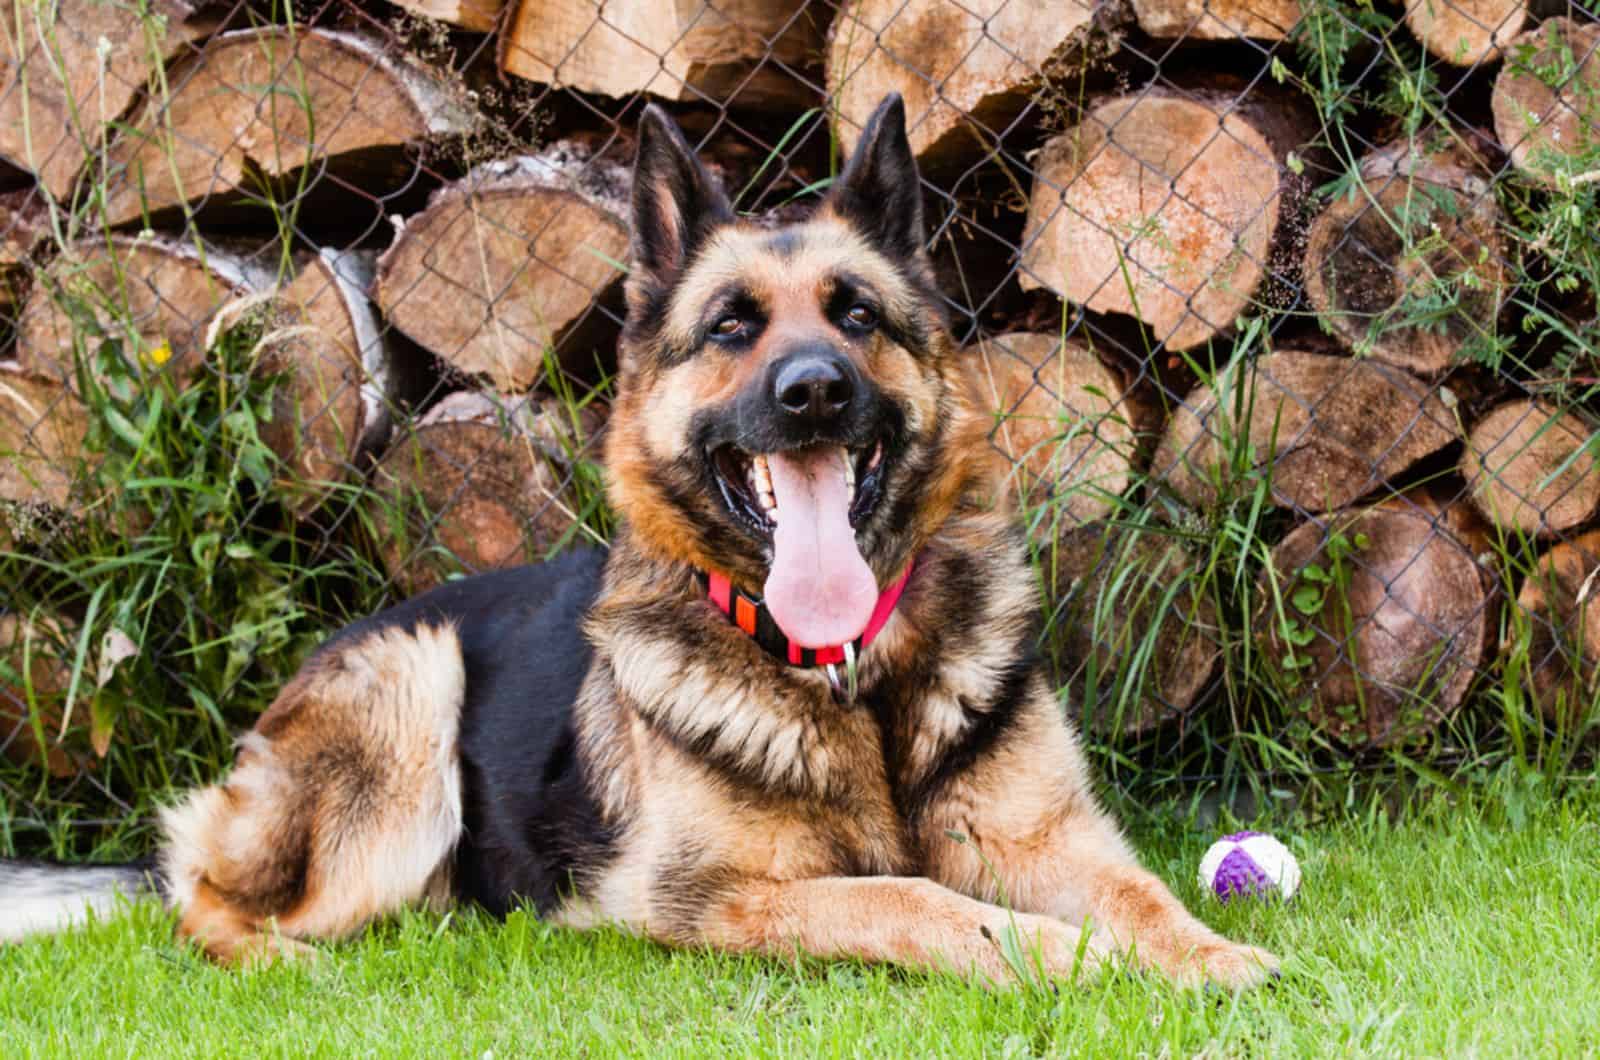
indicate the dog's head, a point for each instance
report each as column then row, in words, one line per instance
column 788, row 410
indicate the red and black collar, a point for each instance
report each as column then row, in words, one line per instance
column 750, row 614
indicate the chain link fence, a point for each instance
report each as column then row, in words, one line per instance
column 1285, row 312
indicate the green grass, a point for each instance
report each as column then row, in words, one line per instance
column 1466, row 929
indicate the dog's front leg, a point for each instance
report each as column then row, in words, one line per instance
column 908, row 921
column 1022, row 824
column 1089, row 875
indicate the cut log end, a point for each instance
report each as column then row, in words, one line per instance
column 475, row 16
column 481, row 482
column 959, row 82
column 1328, row 430
column 1162, row 207
column 733, row 51
column 42, row 432
column 160, row 297
column 1466, row 32
column 1126, row 613
column 261, row 105
column 34, row 677
column 1546, row 98
column 1063, row 431
column 1560, row 602
column 1268, row 20
column 51, row 124
column 1532, row 468
column 1378, row 262
column 518, row 260
column 155, row 295
column 1382, row 626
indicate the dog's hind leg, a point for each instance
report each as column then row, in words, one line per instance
column 344, row 803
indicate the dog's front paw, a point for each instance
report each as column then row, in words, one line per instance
column 1228, row 965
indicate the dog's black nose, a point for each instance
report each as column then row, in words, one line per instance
column 814, row 386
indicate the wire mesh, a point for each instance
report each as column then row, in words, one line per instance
column 1284, row 312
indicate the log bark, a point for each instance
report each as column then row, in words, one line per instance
column 156, row 295
column 1131, row 631
column 34, row 677
column 1560, row 601
column 1169, row 208
column 480, row 482
column 731, row 51
column 1466, row 32
column 965, row 69
column 519, row 259
column 42, row 430
column 60, row 92
column 1374, row 623
column 332, row 414
column 1411, row 267
column 1532, row 468
column 1063, row 431
column 1217, row 19
column 258, row 107
column 1328, row 430
column 1546, row 98
column 476, row 16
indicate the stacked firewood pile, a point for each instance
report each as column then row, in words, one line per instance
column 1165, row 303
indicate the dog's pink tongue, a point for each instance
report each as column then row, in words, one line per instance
column 820, row 591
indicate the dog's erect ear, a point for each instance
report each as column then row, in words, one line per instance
column 675, row 201
column 879, row 191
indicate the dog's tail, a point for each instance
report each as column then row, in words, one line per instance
column 38, row 898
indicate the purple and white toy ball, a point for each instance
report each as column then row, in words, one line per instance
column 1250, row 864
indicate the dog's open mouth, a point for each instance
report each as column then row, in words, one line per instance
column 746, row 482
column 807, row 503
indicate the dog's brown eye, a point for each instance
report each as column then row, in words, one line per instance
column 728, row 327
column 861, row 316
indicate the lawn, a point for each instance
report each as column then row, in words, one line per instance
column 1467, row 928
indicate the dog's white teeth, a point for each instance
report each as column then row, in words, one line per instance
column 849, row 473
column 761, row 484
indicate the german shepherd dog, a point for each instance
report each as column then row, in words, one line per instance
column 797, row 705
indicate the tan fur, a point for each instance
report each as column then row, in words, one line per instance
column 811, row 851
column 741, row 254
column 902, row 920
column 1027, row 809
column 751, row 811
column 652, row 413
column 696, row 831
column 344, row 802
